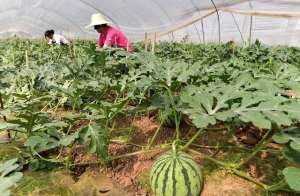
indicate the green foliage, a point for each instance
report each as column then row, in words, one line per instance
column 213, row 53
column 210, row 83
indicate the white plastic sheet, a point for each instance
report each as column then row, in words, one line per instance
column 30, row 18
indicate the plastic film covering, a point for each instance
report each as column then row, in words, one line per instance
column 271, row 21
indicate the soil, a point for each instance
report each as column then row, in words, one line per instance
column 223, row 184
column 130, row 176
column 127, row 171
column 133, row 173
column 4, row 137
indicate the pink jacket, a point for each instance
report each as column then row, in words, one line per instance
column 114, row 38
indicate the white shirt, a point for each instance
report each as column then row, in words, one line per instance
column 58, row 39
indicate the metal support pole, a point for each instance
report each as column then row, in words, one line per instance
column 219, row 24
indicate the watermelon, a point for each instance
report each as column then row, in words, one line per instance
column 176, row 174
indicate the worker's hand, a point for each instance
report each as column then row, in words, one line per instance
column 98, row 48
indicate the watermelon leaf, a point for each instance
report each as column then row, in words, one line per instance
column 8, row 176
column 97, row 138
column 223, row 102
column 290, row 136
column 292, row 155
column 292, row 177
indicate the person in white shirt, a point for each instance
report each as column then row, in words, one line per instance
column 54, row 38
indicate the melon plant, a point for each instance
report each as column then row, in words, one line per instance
column 176, row 174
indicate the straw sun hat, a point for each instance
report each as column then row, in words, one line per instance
column 97, row 19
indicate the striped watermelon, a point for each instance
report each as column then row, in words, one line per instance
column 176, row 174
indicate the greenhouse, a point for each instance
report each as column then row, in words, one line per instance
column 150, row 98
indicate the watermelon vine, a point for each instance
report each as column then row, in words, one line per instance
column 186, row 88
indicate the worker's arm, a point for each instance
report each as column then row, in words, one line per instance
column 106, row 42
column 110, row 41
column 63, row 40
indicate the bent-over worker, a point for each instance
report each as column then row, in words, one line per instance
column 54, row 38
column 109, row 36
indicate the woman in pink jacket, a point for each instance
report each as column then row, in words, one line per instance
column 109, row 36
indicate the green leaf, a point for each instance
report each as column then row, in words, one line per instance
column 292, row 155
column 202, row 121
column 256, row 118
column 293, row 110
column 8, row 176
column 97, row 138
column 224, row 116
column 38, row 164
column 168, row 72
column 189, row 71
column 54, row 124
column 161, row 101
column 69, row 139
column 279, row 117
column 34, row 165
column 295, row 145
column 8, row 126
column 83, row 135
column 207, row 101
column 281, row 138
column 41, row 143
column 291, row 135
column 99, row 141
column 8, row 167
column 292, row 177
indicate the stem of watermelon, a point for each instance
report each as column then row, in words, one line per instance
column 221, row 163
column 249, row 178
column 124, row 156
column 177, row 121
column 278, row 186
column 260, row 146
column 138, row 152
column 156, row 134
column 230, row 168
column 219, row 147
column 174, row 147
column 192, row 139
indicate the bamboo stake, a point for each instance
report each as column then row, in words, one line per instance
column 4, row 117
column 146, row 41
column 265, row 13
column 188, row 23
column 70, row 49
column 243, row 12
column 74, row 50
column 154, row 42
column 26, row 58
column 2, row 106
